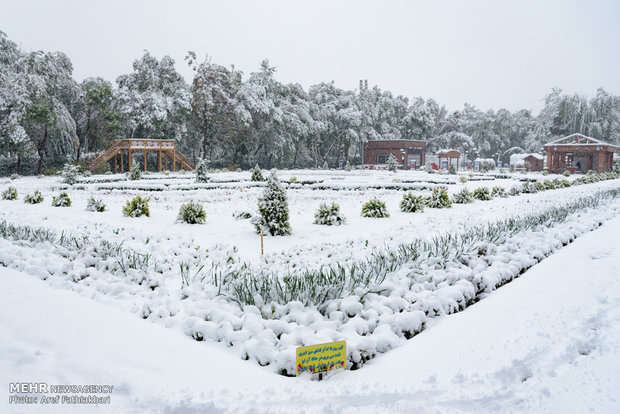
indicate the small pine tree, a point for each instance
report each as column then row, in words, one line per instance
column 70, row 174
column 412, row 203
column 202, row 170
column 375, row 208
column 392, row 164
column 136, row 172
column 34, row 198
column 348, row 166
column 329, row 215
column 192, row 213
column 325, row 165
column 257, row 174
column 137, row 207
column 273, row 209
column 95, row 204
column 10, row 194
column 482, row 193
column 514, row 191
column 62, row 200
column 451, row 170
column 498, row 191
column 462, row 197
column 439, row 198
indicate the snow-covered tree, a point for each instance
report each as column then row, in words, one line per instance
column 202, row 171
column 154, row 99
column 273, row 211
column 392, row 164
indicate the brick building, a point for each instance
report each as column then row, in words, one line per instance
column 409, row 153
column 579, row 154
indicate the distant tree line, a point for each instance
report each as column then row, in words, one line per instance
column 48, row 118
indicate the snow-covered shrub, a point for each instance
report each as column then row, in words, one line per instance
column 108, row 173
column 498, row 191
column 34, row 198
column 136, row 172
column 70, row 174
column 347, row 166
column 392, row 164
column 273, row 209
column 137, row 207
column 545, row 171
column 166, row 172
column 412, row 203
column 202, row 169
column 257, row 174
column 539, row 186
column 62, row 200
column 616, row 167
column 329, row 215
column 241, row 215
column 182, row 171
column 325, row 165
column 15, row 176
column 292, row 180
column 439, row 198
column 528, row 187
column 514, row 191
column 10, row 194
column 566, row 173
column 549, row 185
column 481, row 193
column 192, row 213
column 451, row 170
column 462, row 197
column 375, row 208
column 95, row 204
column 463, row 179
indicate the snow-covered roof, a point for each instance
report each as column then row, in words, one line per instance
column 518, row 158
column 578, row 139
column 445, row 151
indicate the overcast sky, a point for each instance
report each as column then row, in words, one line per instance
column 488, row 53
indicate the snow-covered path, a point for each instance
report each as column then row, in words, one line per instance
column 547, row 342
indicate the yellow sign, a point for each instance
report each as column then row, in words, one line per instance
column 321, row 357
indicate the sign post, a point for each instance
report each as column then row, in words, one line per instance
column 321, row 358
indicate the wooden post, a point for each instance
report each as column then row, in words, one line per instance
column 174, row 160
column 129, row 160
column 122, row 160
column 261, row 243
column 159, row 154
column 116, row 163
column 144, row 160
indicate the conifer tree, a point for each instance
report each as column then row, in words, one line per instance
column 273, row 209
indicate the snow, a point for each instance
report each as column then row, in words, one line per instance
column 546, row 342
column 518, row 159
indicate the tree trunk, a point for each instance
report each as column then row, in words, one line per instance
column 41, row 151
column 18, row 163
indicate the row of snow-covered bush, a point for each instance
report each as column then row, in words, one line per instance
column 331, row 281
column 375, row 304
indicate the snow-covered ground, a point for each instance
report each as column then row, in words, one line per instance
column 544, row 343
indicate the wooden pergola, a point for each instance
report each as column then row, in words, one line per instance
column 578, row 153
column 449, row 154
column 165, row 149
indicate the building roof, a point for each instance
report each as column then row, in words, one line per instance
column 516, row 159
column 446, row 151
column 578, row 139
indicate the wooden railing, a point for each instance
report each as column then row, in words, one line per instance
column 141, row 144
